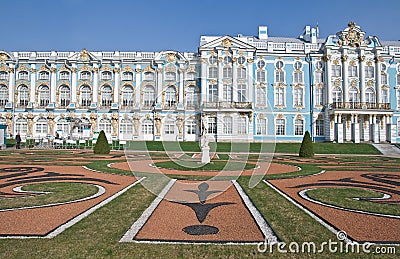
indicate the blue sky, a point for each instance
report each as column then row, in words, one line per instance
column 128, row 25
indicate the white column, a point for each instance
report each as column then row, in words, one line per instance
column 33, row 83
column 138, row 83
column 220, row 77
column 73, row 85
column 378, row 81
column 362, row 77
column 250, row 80
column 116, row 83
column 204, row 86
column 181, row 88
column 159, row 84
column 328, row 83
column 95, row 84
column 11, row 84
column 234, row 82
column 345, row 67
column 53, row 84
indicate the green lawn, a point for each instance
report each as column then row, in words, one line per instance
column 293, row 148
column 215, row 165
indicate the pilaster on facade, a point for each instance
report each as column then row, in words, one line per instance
column 95, row 84
column 362, row 76
column 53, row 84
column 32, row 84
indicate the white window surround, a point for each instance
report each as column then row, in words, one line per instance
column 279, row 96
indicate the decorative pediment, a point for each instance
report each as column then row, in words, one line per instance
column 85, row 68
column 148, row 69
column 351, row 36
column 191, row 69
column 170, row 69
column 22, row 68
column 63, row 68
column 106, row 67
column 226, row 42
column 84, row 56
column 128, row 69
column 5, row 68
column 43, row 68
column 4, row 57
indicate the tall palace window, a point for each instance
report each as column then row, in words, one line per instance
column 106, row 95
column 127, row 96
column 65, row 95
column 3, row 95
column 44, row 95
column 86, row 96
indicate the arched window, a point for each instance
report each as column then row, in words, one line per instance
column 337, row 94
column 242, row 126
column 191, row 76
column 106, row 95
column 384, row 79
column 41, row 126
column 170, row 76
column 64, row 75
column 298, row 97
column 212, row 72
column 191, row 126
column 227, row 125
column 280, row 127
column 126, row 127
column 298, row 77
column 3, row 75
column 148, row 96
column 353, row 95
column 86, row 96
column 369, row 72
column 23, row 75
column 3, row 95
column 227, row 92
column 298, row 127
column 44, row 75
column 261, row 126
column 318, row 78
column 385, row 96
column 241, row 73
column 352, row 71
column 21, row 126
column 212, row 93
column 369, row 95
column 279, row 96
column 44, row 95
column 170, row 97
column 169, row 127
column 192, row 100
column 260, row 76
column 147, row 127
column 319, row 96
column 127, row 76
column 106, row 75
column 261, row 96
column 148, row 76
column 336, row 70
column 85, row 75
column 227, row 72
column 105, row 124
column 279, row 73
column 63, row 128
column 23, row 95
column 65, row 95
column 242, row 93
column 127, row 96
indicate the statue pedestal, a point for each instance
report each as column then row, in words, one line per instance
column 205, row 155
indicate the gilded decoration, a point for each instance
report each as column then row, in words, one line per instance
column 136, row 123
column 85, row 67
column 191, row 69
column 128, row 69
column 298, row 86
column 299, row 117
column 337, row 83
column 345, row 58
column 43, row 68
column 114, row 124
column 250, row 60
column 63, row 68
column 9, row 117
column 336, row 62
column 73, row 70
column 362, row 58
column 148, row 69
column 370, row 83
column 379, row 59
column 220, row 60
column 226, row 43
column 261, row 116
column 353, row 62
column 327, row 58
column 22, row 68
column 5, row 68
column 203, row 60
column 213, row 81
column 280, row 116
column 3, row 57
column 171, row 58
column 84, row 55
column 106, row 67
column 369, row 63
column 116, row 70
column 138, row 70
column 158, row 123
column 351, row 36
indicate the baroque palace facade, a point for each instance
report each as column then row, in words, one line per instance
column 342, row 88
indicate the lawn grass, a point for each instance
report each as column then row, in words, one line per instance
column 343, row 197
column 58, row 192
column 254, row 147
column 215, row 165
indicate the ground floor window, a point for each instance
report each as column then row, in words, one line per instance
column 319, row 128
column 280, row 127
column 261, row 126
column 190, row 127
column 147, row 127
column 299, row 127
column 169, row 127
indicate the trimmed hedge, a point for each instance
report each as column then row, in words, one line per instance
column 101, row 146
column 306, row 148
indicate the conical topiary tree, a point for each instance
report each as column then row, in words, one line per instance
column 306, row 148
column 101, row 146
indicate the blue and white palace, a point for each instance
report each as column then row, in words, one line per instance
column 345, row 88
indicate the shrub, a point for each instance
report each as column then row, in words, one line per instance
column 101, row 146
column 306, row 148
column 10, row 142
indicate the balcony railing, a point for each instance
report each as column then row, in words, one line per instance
column 360, row 106
column 228, row 105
